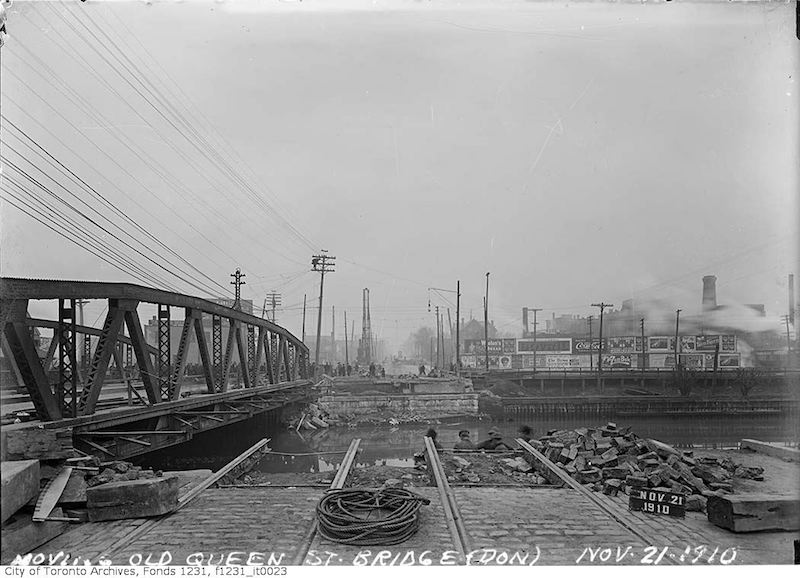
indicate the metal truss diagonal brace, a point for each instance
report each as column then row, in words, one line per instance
column 102, row 356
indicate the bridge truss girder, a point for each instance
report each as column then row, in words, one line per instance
column 266, row 349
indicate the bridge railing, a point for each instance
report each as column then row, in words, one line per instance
column 266, row 352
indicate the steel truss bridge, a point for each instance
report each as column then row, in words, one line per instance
column 273, row 364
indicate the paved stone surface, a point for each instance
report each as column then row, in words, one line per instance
column 512, row 526
column 266, row 522
column 551, row 526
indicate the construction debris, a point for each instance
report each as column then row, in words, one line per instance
column 613, row 460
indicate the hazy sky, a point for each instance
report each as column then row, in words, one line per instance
column 578, row 151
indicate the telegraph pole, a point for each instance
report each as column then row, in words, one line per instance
column 641, row 323
column 458, row 328
column 304, row 318
column 237, row 283
column 602, row 307
column 274, row 300
column 591, row 359
column 322, row 264
column 437, row 336
column 486, row 324
column 450, row 325
column 535, row 323
column 346, row 354
column 788, row 342
column 677, row 325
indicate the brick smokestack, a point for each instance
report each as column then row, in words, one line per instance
column 709, row 292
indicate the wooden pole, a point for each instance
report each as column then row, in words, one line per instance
column 304, row 318
column 346, row 354
column 458, row 327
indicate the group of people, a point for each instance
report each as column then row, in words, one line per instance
column 343, row 370
column 493, row 442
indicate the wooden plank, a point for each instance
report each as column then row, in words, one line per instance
column 208, row 482
column 48, row 499
column 754, row 512
column 23, row 535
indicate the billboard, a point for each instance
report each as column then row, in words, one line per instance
column 581, row 345
column 623, row 344
column 707, row 342
column 469, row 361
column 728, row 343
column 692, row 360
column 561, row 361
column 729, row 360
column 688, row 343
column 476, row 346
column 616, row 361
column 661, row 344
column 545, row 345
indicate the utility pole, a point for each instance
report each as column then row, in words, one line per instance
column 458, row 328
column 486, row 324
column 450, row 325
column 274, row 300
column 322, row 263
column 437, row 336
column 677, row 344
column 788, row 342
column 602, row 307
column 346, row 354
column 304, row 318
column 237, row 283
column 591, row 359
column 644, row 362
column 535, row 323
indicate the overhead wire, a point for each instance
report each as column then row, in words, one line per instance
column 50, row 221
column 227, row 146
column 82, row 214
column 52, row 78
column 51, row 160
column 150, row 162
column 152, row 258
column 197, row 142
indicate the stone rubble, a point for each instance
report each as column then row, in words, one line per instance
column 614, row 460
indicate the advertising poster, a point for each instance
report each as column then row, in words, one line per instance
column 661, row 361
column 706, row 342
column 527, row 361
column 469, row 361
column 616, row 361
column 688, row 343
column 509, row 346
column 729, row 360
column 582, row 345
column 708, row 360
column 504, row 361
column 692, row 361
column 728, row 343
column 560, row 362
column 661, row 344
column 621, row 344
column 545, row 345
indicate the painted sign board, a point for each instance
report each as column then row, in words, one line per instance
column 657, row 502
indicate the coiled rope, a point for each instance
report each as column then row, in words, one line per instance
column 344, row 516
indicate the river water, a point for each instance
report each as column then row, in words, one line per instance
column 384, row 444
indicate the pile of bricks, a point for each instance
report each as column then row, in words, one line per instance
column 612, row 460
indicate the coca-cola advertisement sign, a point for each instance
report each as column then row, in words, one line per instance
column 583, row 345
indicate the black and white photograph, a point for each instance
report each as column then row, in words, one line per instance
column 305, row 286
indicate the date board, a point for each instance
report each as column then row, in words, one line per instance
column 657, row 502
